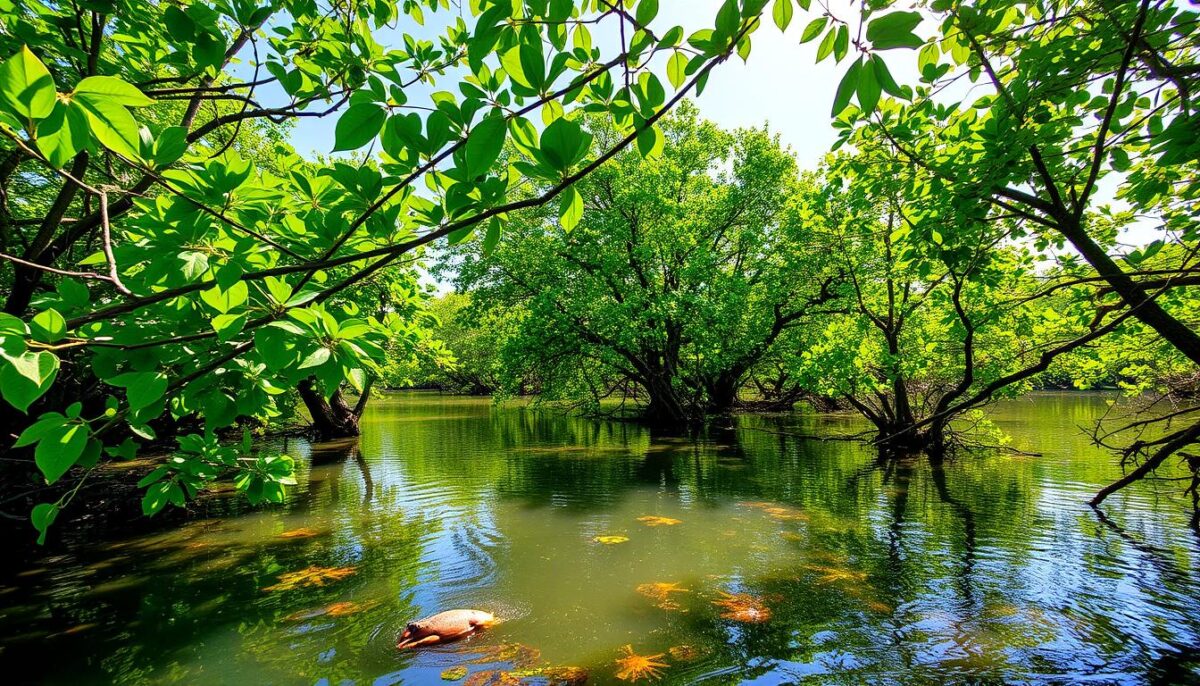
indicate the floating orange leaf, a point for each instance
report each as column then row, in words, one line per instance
column 610, row 540
column 633, row 667
column 492, row 677
column 651, row 520
column 300, row 533
column 660, row 591
column 516, row 654
column 310, row 576
column 743, row 607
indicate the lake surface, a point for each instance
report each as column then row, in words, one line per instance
column 748, row 556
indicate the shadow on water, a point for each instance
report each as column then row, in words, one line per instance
column 743, row 554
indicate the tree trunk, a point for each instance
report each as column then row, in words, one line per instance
column 722, row 393
column 332, row 418
column 665, row 408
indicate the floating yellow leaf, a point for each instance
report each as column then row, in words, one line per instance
column 651, row 520
column 743, row 607
column 300, row 533
column 610, row 540
column 310, row 576
column 633, row 667
column 516, row 654
column 831, row 575
column 454, row 673
column 660, row 591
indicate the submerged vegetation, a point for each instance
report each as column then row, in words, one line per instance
column 178, row 278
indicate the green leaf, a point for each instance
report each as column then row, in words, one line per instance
column 647, row 10
column 561, row 142
column 846, row 88
column 59, row 450
column 814, row 29
column 42, row 516
column 884, row 77
column 677, row 68
column 782, row 13
column 225, row 299
column 533, row 64
column 868, row 89
column 48, row 326
column 729, row 18
column 63, row 134
column 317, row 358
column 650, row 142
column 484, row 145
column 141, row 388
column 195, row 264
column 571, row 209
column 826, row 46
column 26, row 86
column 492, row 238
column 358, row 125
column 894, row 30
column 170, row 145
column 156, row 498
column 511, row 62
column 36, row 431
column 26, row 377
column 112, row 89
column 112, row 125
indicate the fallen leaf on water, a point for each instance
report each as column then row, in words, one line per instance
column 300, row 533
column 831, row 575
column 340, row 609
column 516, row 654
column 743, row 607
column 310, row 576
column 660, row 591
column 492, row 677
column 610, row 540
column 651, row 520
column 785, row 514
column 633, row 666
column 454, row 673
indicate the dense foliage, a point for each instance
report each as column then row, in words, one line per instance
column 174, row 268
column 174, row 271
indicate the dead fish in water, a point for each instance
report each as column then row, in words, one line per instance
column 445, row 626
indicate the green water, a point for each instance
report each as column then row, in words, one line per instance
column 989, row 569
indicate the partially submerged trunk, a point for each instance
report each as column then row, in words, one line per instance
column 333, row 417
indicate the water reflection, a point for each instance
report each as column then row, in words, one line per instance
column 749, row 554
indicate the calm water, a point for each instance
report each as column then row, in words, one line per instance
column 791, row 561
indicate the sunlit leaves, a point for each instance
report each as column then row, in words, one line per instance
column 484, row 145
column 846, row 88
column 894, row 30
column 813, row 29
column 26, row 86
column 564, row 144
column 571, row 209
column 677, row 68
column 110, row 89
column 781, row 13
column 62, row 134
column 358, row 125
